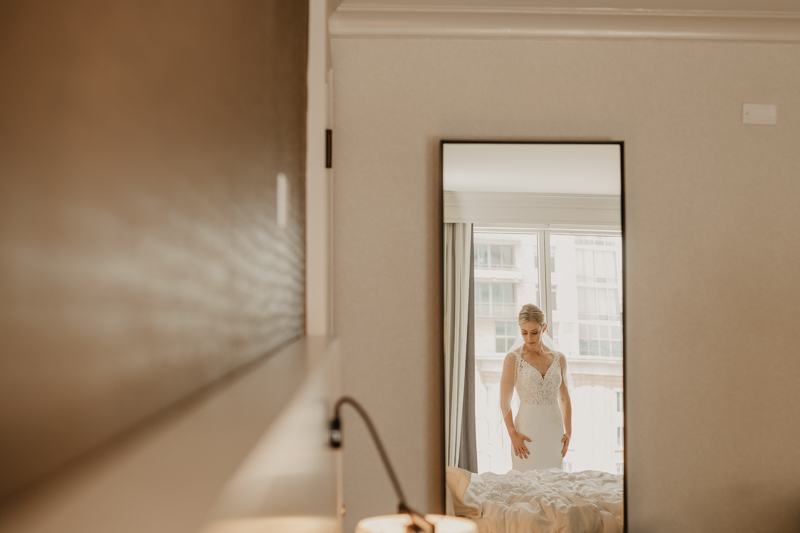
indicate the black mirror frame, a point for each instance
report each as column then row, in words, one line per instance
column 621, row 145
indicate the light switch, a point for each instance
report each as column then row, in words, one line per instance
column 283, row 200
column 761, row 114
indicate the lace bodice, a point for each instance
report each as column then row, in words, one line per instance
column 532, row 387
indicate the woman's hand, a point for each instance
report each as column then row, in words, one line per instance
column 565, row 440
column 518, row 442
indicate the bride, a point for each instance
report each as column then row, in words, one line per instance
column 540, row 434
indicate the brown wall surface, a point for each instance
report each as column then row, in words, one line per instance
column 711, row 244
column 140, row 257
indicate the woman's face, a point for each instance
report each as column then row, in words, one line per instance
column 532, row 333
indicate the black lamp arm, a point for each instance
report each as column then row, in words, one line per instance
column 419, row 522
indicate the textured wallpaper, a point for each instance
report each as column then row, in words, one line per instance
column 140, row 257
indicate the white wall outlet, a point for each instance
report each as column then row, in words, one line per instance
column 283, row 200
column 761, row 114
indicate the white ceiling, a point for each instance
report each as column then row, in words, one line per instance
column 532, row 168
column 711, row 5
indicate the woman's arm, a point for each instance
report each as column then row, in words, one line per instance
column 565, row 404
column 507, row 379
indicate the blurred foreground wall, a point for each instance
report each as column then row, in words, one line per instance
column 140, row 257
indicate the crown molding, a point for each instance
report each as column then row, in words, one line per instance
column 431, row 22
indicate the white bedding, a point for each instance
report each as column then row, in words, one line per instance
column 538, row 501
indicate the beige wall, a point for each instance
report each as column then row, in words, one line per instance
column 712, row 251
column 140, row 257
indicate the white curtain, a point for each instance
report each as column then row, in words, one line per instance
column 457, row 270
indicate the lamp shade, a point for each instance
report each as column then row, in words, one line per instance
column 398, row 523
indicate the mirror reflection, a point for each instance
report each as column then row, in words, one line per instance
column 533, row 355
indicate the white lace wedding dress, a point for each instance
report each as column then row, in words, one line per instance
column 539, row 417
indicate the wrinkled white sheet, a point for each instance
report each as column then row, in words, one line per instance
column 540, row 501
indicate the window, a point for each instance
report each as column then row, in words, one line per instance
column 567, row 466
column 481, row 256
column 553, row 291
column 593, row 240
column 598, row 303
column 600, row 339
column 494, row 256
column 620, row 437
column 619, row 401
column 596, row 266
column 505, row 333
column 620, row 468
column 495, row 299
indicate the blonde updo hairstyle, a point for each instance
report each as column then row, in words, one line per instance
column 531, row 313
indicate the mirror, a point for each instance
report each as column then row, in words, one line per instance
column 539, row 223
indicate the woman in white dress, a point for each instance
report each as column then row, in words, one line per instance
column 540, row 433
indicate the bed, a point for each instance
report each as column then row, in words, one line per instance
column 538, row 501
